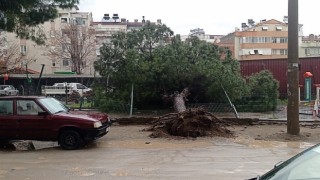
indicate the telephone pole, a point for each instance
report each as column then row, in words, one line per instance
column 293, row 126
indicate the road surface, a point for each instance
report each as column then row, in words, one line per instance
column 124, row 155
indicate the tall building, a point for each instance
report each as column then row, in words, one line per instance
column 69, row 37
column 263, row 40
column 31, row 56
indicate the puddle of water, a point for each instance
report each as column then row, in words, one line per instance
column 139, row 144
column 273, row 144
column 81, row 172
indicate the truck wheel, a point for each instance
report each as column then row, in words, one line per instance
column 70, row 139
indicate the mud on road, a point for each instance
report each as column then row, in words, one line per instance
column 127, row 152
column 136, row 136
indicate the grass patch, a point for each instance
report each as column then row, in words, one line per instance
column 86, row 105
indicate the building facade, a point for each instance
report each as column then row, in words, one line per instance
column 310, row 46
column 110, row 25
column 200, row 33
column 59, row 49
column 263, row 40
column 32, row 56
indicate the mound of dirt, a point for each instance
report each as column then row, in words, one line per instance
column 190, row 123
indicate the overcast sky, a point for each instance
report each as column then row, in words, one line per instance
column 216, row 17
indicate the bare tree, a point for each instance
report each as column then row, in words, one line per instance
column 11, row 55
column 75, row 43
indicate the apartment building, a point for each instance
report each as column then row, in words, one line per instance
column 110, row 25
column 16, row 54
column 310, row 46
column 263, row 40
column 31, row 56
column 70, row 21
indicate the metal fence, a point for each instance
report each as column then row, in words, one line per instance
column 222, row 110
column 280, row 113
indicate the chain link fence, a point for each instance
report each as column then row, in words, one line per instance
column 223, row 110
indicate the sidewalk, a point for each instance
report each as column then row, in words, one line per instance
column 279, row 115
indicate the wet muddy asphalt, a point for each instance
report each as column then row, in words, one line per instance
column 128, row 153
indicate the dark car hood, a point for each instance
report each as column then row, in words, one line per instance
column 91, row 116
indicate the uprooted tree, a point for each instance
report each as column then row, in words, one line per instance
column 178, row 99
column 190, row 123
column 158, row 63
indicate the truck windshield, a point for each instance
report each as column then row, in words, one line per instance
column 53, row 105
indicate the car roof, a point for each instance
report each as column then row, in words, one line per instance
column 22, row 97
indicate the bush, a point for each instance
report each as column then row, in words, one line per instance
column 264, row 92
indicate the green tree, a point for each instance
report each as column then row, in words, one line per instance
column 264, row 91
column 129, row 59
column 158, row 63
column 24, row 16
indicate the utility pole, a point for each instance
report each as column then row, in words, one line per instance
column 293, row 126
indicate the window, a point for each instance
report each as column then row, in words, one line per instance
column 65, row 62
column 53, row 63
column 283, row 51
column 274, row 40
column 313, row 51
column 283, row 40
column 64, row 20
column 278, row 28
column 78, row 21
column 23, row 49
column 80, row 86
column 28, row 107
column 6, row 107
column 265, row 28
column 307, row 51
column 274, row 51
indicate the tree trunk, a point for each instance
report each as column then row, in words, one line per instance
column 179, row 100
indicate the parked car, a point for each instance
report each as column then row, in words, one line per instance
column 47, row 119
column 303, row 166
column 6, row 90
column 61, row 89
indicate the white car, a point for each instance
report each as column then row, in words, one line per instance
column 7, row 90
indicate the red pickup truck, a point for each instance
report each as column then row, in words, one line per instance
column 47, row 119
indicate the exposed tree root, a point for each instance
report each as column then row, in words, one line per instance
column 190, row 123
